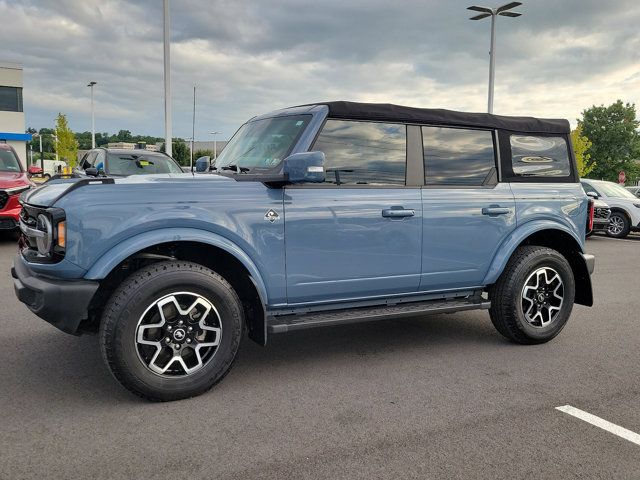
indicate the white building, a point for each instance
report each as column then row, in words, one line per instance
column 11, row 112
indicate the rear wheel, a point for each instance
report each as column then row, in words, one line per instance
column 171, row 330
column 619, row 225
column 533, row 298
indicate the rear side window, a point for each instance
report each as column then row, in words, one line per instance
column 534, row 156
column 457, row 156
column 363, row 153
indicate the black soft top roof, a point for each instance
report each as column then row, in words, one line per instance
column 396, row 113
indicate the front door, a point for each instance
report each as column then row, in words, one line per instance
column 359, row 234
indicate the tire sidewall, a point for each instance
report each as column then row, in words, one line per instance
column 146, row 293
column 562, row 267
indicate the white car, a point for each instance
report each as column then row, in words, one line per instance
column 625, row 207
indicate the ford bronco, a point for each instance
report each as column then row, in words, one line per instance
column 315, row 215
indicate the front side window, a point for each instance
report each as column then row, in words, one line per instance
column 262, row 143
column 8, row 161
column 139, row 164
column 458, row 156
column 533, row 156
column 11, row 99
column 614, row 190
column 363, row 153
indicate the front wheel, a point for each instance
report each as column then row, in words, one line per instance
column 619, row 225
column 533, row 298
column 171, row 330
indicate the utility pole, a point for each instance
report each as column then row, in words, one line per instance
column 193, row 126
column 215, row 145
column 493, row 13
column 93, row 120
column 167, row 79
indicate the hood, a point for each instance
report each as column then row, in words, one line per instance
column 143, row 187
column 13, row 179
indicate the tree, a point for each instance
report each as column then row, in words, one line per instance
column 66, row 144
column 581, row 145
column 202, row 153
column 180, row 151
column 615, row 142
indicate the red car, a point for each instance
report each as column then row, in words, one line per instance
column 13, row 181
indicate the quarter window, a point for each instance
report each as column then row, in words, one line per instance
column 533, row 156
column 457, row 156
column 363, row 153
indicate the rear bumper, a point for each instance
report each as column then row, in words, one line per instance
column 590, row 261
column 62, row 303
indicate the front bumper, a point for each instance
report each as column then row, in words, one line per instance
column 62, row 303
column 600, row 225
column 8, row 223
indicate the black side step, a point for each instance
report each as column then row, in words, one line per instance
column 287, row 323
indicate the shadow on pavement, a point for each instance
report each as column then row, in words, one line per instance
column 48, row 365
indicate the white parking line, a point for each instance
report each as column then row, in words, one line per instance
column 601, row 423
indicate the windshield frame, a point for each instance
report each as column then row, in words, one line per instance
column 11, row 151
column 308, row 117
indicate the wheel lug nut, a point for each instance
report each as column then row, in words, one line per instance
column 180, row 322
column 188, row 340
column 169, row 328
column 189, row 329
column 177, row 346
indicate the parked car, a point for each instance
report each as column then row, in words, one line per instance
column 625, row 207
column 601, row 214
column 51, row 168
column 317, row 215
column 13, row 181
column 121, row 162
column 635, row 190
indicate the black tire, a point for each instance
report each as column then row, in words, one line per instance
column 623, row 220
column 136, row 296
column 507, row 313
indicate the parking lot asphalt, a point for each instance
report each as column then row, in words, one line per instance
column 435, row 397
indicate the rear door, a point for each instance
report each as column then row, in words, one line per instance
column 466, row 212
column 359, row 234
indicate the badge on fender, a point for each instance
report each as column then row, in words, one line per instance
column 271, row 215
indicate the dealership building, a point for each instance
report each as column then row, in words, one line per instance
column 12, row 126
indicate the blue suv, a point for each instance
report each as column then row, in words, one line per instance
column 316, row 215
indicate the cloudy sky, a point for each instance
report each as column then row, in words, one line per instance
column 249, row 57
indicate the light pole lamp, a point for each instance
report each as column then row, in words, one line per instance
column 215, row 145
column 93, row 120
column 493, row 13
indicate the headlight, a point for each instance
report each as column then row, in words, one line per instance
column 17, row 190
column 44, row 242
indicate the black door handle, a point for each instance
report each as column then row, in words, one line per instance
column 495, row 210
column 398, row 213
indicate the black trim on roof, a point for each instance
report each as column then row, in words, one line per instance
column 397, row 113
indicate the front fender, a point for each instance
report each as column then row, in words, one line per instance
column 113, row 257
column 516, row 237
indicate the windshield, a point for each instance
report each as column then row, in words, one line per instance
column 140, row 164
column 262, row 143
column 9, row 161
column 614, row 190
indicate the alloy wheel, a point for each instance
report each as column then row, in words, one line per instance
column 178, row 334
column 542, row 297
column 616, row 225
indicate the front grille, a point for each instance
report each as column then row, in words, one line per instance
column 602, row 212
column 4, row 198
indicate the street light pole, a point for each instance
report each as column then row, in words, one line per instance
column 215, row 144
column 93, row 120
column 193, row 126
column 167, row 80
column 493, row 13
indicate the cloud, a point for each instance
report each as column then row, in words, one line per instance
column 247, row 58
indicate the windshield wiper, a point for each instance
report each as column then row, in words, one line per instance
column 235, row 168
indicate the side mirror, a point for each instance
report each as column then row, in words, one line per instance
column 305, row 167
column 91, row 171
column 593, row 195
column 202, row 164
